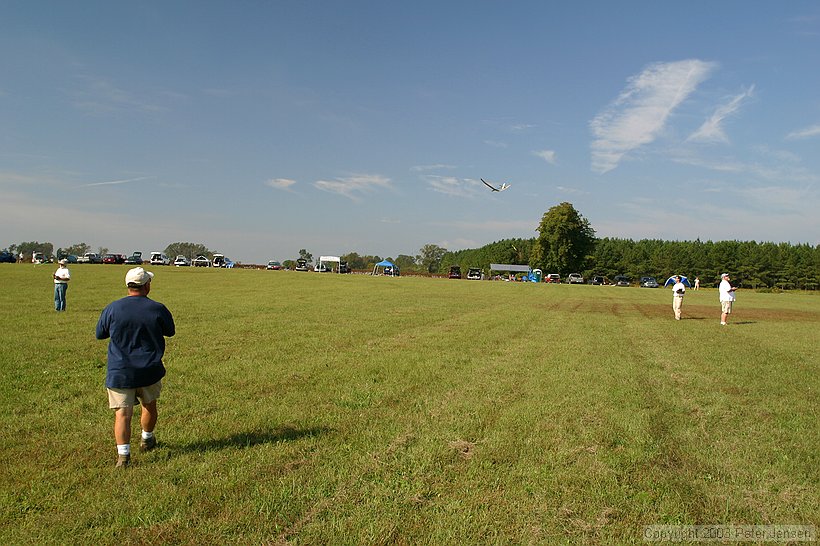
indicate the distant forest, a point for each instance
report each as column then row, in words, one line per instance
column 752, row 264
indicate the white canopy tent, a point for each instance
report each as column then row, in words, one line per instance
column 329, row 260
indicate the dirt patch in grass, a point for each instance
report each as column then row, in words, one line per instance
column 465, row 449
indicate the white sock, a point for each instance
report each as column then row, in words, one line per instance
column 123, row 449
column 147, row 435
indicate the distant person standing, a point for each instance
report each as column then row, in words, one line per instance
column 678, row 291
column 727, row 297
column 697, row 283
column 61, row 278
column 137, row 327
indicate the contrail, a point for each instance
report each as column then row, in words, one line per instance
column 114, row 182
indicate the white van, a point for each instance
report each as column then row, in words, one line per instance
column 158, row 258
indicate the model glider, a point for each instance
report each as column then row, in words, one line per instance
column 500, row 188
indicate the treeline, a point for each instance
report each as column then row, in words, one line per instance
column 755, row 265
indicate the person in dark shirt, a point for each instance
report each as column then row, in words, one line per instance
column 137, row 327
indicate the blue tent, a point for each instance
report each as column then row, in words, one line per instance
column 388, row 268
column 671, row 280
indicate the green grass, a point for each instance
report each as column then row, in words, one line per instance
column 350, row 409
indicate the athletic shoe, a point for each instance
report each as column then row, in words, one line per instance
column 149, row 444
column 723, row 324
column 123, row 461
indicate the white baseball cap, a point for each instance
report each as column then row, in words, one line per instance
column 138, row 277
column 724, row 275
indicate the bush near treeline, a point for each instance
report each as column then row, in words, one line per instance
column 755, row 265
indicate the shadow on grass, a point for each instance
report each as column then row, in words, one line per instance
column 284, row 433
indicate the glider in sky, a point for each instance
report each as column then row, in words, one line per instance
column 503, row 186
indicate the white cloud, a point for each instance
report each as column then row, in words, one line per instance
column 639, row 114
column 808, row 132
column 495, row 143
column 352, row 185
column 450, row 185
column 711, row 130
column 435, row 167
column 520, row 127
column 546, row 155
column 572, row 191
column 280, row 183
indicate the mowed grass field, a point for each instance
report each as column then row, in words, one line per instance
column 348, row 409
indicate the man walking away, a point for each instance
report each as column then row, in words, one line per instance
column 137, row 327
column 61, row 278
column 678, row 290
column 727, row 297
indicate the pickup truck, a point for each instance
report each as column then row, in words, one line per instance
column 89, row 258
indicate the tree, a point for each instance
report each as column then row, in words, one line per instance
column 305, row 255
column 189, row 250
column 29, row 248
column 405, row 262
column 77, row 249
column 430, row 256
column 564, row 242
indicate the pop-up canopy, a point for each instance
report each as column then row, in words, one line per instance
column 384, row 264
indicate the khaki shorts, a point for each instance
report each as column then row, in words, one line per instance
column 126, row 398
column 726, row 307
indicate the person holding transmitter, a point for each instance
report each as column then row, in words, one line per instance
column 137, row 327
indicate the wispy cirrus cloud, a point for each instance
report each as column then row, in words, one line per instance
column 546, row 155
column 434, row 167
column 280, row 183
column 808, row 132
column 99, row 96
column 640, row 112
column 450, row 185
column 712, row 129
column 353, row 186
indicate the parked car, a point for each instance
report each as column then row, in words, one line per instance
column 159, row 258
column 621, row 280
column 273, row 266
column 181, row 261
column 344, row 268
column 575, row 278
column 39, row 258
column 90, row 258
column 598, row 280
column 201, row 261
column 554, row 278
column 7, row 257
column 301, row 264
column 649, row 282
column 219, row 261
column 114, row 259
column 391, row 271
column 455, row 272
column 134, row 259
column 474, row 274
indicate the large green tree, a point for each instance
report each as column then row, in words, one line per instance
column 430, row 256
column 189, row 250
column 564, row 242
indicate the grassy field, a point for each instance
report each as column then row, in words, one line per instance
column 349, row 409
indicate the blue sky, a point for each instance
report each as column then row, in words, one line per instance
column 261, row 127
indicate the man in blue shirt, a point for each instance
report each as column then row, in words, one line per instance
column 137, row 327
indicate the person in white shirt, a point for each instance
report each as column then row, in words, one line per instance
column 678, row 290
column 727, row 297
column 61, row 278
